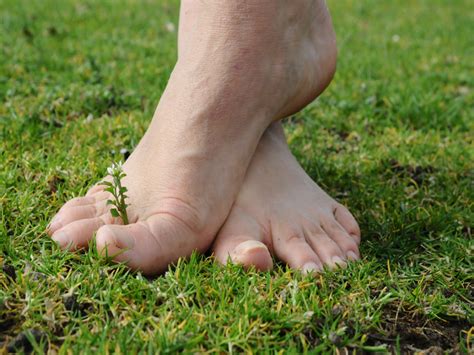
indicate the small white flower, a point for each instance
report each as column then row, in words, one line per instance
column 463, row 90
column 115, row 168
column 170, row 27
column 370, row 100
column 395, row 38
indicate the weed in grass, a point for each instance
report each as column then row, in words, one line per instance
column 118, row 192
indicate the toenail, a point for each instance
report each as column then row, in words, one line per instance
column 352, row 256
column 62, row 239
column 123, row 239
column 247, row 246
column 338, row 261
column 55, row 223
column 310, row 267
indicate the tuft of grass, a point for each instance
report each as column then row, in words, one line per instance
column 391, row 138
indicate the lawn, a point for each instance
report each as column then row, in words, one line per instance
column 391, row 138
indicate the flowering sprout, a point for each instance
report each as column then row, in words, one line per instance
column 118, row 192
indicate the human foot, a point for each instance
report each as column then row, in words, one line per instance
column 281, row 211
column 240, row 65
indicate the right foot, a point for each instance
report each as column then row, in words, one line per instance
column 281, row 211
column 241, row 64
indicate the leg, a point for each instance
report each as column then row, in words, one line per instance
column 280, row 210
column 241, row 65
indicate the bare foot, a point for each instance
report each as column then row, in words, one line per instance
column 241, row 65
column 281, row 211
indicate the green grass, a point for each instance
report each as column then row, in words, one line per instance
column 391, row 138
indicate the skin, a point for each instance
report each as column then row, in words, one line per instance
column 280, row 211
column 241, row 66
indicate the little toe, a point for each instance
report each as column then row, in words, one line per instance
column 292, row 248
column 77, row 234
column 348, row 222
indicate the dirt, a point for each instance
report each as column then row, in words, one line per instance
column 9, row 270
column 28, row 33
column 25, row 340
column 53, row 183
column 72, row 304
column 418, row 174
column 466, row 230
column 417, row 334
column 7, row 321
column 400, row 330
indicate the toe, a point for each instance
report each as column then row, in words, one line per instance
column 151, row 245
column 79, row 208
column 78, row 201
column 132, row 244
column 70, row 214
column 250, row 252
column 327, row 249
column 115, row 241
column 291, row 246
column 240, row 241
column 95, row 189
column 348, row 222
column 341, row 237
column 77, row 234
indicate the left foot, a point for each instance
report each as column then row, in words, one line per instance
column 281, row 211
column 241, row 65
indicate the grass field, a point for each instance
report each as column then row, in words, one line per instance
column 391, row 138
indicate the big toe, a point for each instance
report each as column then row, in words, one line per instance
column 245, row 251
column 240, row 242
column 150, row 245
column 252, row 253
column 126, row 244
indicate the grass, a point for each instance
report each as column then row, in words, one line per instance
column 391, row 138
